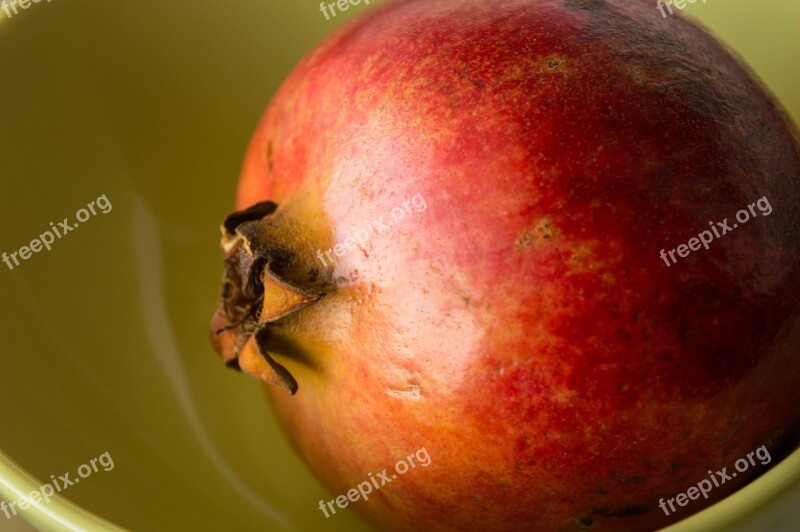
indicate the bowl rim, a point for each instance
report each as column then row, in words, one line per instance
column 60, row 514
column 750, row 503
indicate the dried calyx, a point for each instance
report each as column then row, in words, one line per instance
column 256, row 293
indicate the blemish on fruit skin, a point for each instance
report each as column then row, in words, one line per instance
column 411, row 392
column 637, row 74
column 543, row 232
column 632, row 480
column 463, row 73
column 554, row 63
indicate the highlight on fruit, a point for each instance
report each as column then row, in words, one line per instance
column 361, row 236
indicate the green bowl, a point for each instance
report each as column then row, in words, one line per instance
column 150, row 104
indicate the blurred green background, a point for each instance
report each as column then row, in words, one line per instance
column 104, row 338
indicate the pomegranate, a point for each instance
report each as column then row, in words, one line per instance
column 452, row 229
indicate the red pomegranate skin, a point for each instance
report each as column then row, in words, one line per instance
column 523, row 328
